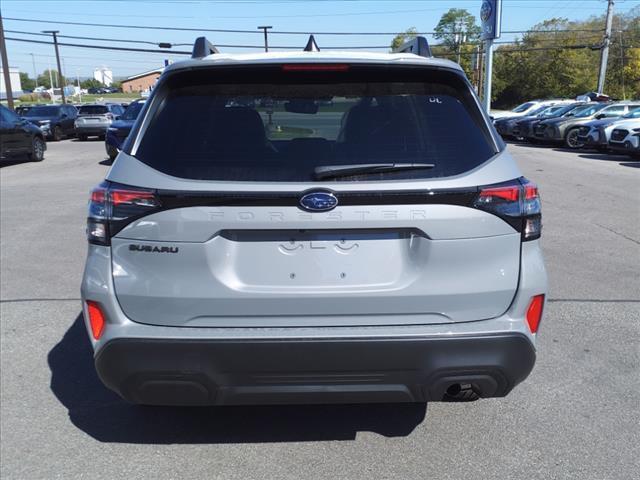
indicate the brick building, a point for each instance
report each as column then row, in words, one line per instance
column 141, row 82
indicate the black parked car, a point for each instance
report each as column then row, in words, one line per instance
column 525, row 126
column 19, row 137
column 56, row 121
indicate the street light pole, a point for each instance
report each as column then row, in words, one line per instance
column 266, row 41
column 35, row 73
column 5, row 67
column 60, row 76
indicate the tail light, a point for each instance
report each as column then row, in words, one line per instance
column 516, row 202
column 534, row 313
column 96, row 319
column 112, row 207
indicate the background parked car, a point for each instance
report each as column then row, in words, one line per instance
column 597, row 133
column 22, row 109
column 524, row 109
column 525, row 126
column 56, row 121
column 626, row 138
column 20, row 137
column 119, row 130
column 566, row 129
column 94, row 119
column 507, row 126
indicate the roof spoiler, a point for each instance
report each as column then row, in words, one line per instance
column 202, row 48
column 417, row 45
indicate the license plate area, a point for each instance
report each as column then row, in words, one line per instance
column 324, row 259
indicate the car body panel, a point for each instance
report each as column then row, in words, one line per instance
column 442, row 288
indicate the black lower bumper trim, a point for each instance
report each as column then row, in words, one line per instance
column 219, row 372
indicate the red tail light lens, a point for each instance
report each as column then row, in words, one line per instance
column 96, row 319
column 534, row 313
column 517, row 203
column 508, row 194
column 112, row 207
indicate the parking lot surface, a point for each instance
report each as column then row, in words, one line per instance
column 576, row 416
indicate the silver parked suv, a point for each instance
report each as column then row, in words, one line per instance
column 311, row 227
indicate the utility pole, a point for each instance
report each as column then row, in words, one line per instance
column 604, row 54
column 35, row 73
column 266, row 41
column 55, row 43
column 5, row 67
column 624, row 93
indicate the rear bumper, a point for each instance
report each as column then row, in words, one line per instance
column 92, row 129
column 329, row 370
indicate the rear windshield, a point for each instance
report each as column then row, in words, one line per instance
column 590, row 110
column 93, row 110
column 132, row 111
column 523, row 107
column 42, row 112
column 275, row 125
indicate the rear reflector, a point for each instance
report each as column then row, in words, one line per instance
column 96, row 319
column 534, row 313
column 315, row 67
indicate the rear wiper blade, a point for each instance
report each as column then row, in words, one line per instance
column 334, row 171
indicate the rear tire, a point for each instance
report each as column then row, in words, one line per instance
column 56, row 136
column 571, row 139
column 112, row 151
column 37, row 150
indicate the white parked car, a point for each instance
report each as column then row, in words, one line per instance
column 597, row 133
column 626, row 138
column 527, row 108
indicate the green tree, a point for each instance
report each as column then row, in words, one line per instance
column 457, row 27
column 458, row 35
column 26, row 82
column 43, row 79
column 91, row 83
column 403, row 37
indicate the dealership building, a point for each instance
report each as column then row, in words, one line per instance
column 141, row 82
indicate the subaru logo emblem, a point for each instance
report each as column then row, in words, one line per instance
column 318, row 202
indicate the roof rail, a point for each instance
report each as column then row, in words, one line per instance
column 203, row 47
column 417, row 45
column 311, row 45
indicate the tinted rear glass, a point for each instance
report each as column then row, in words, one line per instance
column 223, row 125
column 93, row 110
column 42, row 112
column 132, row 111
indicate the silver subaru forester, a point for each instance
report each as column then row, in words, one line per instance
column 313, row 227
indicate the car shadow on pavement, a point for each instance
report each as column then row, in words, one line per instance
column 104, row 416
column 621, row 159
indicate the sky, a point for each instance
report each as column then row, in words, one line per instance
column 310, row 16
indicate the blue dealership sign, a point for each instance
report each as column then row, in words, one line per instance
column 491, row 18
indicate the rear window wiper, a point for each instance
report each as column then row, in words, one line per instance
column 334, row 171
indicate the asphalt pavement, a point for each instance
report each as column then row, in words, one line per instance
column 576, row 416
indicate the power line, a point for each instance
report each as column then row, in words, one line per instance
column 100, row 47
column 101, row 39
column 274, row 32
